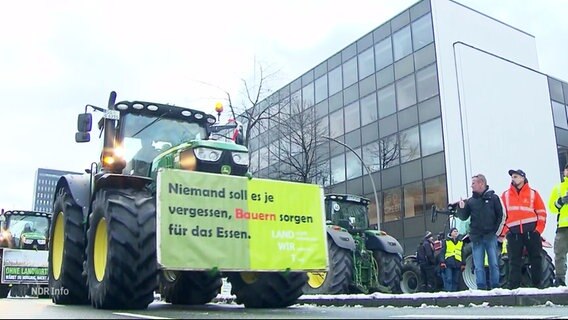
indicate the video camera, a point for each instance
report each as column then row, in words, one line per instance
column 452, row 209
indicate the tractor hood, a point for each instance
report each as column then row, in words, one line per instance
column 33, row 235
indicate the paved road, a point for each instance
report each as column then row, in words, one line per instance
column 32, row 308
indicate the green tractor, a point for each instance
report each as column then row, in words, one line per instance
column 22, row 229
column 361, row 260
column 103, row 247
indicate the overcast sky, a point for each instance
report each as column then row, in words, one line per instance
column 57, row 56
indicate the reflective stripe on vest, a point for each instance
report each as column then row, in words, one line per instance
column 532, row 219
column 454, row 250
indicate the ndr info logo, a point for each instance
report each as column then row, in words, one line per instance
column 47, row 291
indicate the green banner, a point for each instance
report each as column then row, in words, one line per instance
column 234, row 223
column 24, row 266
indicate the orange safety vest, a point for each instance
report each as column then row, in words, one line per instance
column 525, row 210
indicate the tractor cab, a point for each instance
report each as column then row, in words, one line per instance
column 347, row 211
column 141, row 137
column 24, row 229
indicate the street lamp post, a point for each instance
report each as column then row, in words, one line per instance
column 370, row 177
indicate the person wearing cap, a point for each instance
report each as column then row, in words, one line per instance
column 427, row 262
column 526, row 218
column 451, row 260
column 487, row 219
column 558, row 206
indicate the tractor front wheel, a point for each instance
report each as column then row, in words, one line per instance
column 121, row 252
column 267, row 289
column 339, row 276
column 389, row 269
column 67, row 285
column 189, row 287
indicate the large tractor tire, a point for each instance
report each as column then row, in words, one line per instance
column 67, row 284
column 390, row 269
column 548, row 272
column 267, row 289
column 468, row 275
column 189, row 287
column 339, row 276
column 411, row 279
column 121, row 267
column 4, row 290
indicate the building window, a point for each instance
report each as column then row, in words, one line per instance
column 371, row 156
column 338, row 169
column 335, row 81
column 353, row 164
column 389, row 152
column 366, row 63
column 383, row 53
column 422, row 32
column 435, row 192
column 405, row 92
column 336, row 124
column 409, row 144
column 368, row 109
column 352, row 117
column 308, row 95
column 426, row 83
column 431, row 137
column 413, row 199
column 350, row 72
column 387, row 101
column 402, row 43
column 559, row 115
column 321, row 88
column 392, row 204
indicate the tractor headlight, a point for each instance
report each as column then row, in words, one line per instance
column 28, row 241
column 41, row 241
column 241, row 158
column 187, row 160
column 207, row 154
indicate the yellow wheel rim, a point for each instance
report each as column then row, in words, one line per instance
column 100, row 249
column 57, row 245
column 316, row 279
column 249, row 277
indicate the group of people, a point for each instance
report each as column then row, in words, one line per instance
column 519, row 215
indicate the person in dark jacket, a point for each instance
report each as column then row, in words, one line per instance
column 451, row 260
column 487, row 220
column 427, row 262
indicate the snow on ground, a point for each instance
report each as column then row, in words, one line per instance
column 443, row 294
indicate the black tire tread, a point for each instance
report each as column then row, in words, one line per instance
column 340, row 274
column 192, row 288
column 72, row 281
column 131, row 274
column 270, row 290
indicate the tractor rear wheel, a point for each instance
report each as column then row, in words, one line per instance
column 548, row 272
column 121, row 252
column 67, row 285
column 190, row 287
column 389, row 269
column 411, row 279
column 267, row 289
column 339, row 276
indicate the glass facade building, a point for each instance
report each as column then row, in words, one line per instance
column 44, row 188
column 381, row 95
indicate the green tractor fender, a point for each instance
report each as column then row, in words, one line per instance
column 376, row 241
column 78, row 186
column 342, row 239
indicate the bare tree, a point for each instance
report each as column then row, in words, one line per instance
column 258, row 106
column 293, row 144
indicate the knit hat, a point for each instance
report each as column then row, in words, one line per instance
column 427, row 235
